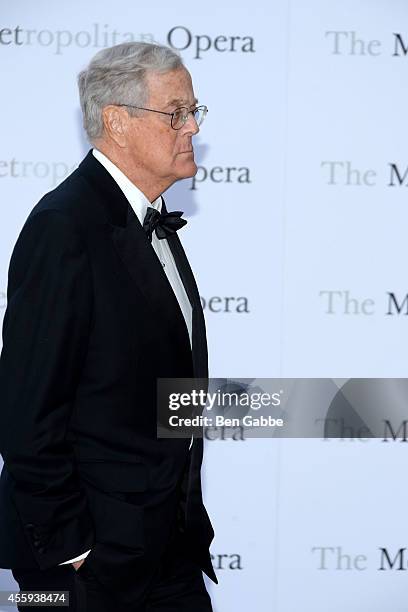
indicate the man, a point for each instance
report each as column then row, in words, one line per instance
column 101, row 303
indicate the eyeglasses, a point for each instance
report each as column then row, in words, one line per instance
column 179, row 116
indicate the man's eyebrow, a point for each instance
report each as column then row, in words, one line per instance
column 180, row 102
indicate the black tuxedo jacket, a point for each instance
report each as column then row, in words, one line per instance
column 91, row 323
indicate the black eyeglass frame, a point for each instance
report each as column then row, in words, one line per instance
column 202, row 108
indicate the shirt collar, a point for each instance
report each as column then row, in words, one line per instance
column 133, row 194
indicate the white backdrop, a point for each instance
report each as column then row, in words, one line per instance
column 296, row 233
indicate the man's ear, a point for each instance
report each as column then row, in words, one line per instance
column 115, row 121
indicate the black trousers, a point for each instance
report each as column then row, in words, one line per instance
column 178, row 587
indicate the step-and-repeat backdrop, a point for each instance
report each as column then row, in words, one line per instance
column 297, row 234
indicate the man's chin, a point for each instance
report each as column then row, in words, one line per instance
column 188, row 170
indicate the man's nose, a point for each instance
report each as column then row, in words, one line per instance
column 191, row 124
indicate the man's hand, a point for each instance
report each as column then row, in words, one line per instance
column 77, row 564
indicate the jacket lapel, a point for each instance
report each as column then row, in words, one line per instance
column 143, row 265
column 135, row 251
column 199, row 340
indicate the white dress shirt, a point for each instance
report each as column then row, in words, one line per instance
column 139, row 204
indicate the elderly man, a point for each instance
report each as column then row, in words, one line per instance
column 101, row 303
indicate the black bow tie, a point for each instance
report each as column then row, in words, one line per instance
column 165, row 224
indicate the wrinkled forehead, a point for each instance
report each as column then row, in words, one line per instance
column 172, row 88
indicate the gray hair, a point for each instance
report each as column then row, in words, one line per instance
column 117, row 75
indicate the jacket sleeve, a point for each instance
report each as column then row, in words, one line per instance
column 45, row 337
